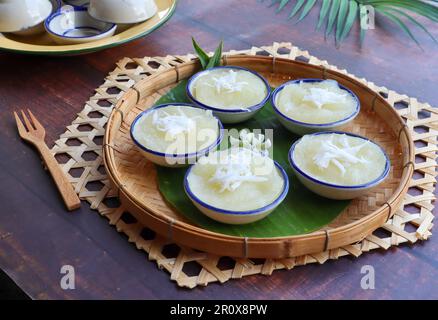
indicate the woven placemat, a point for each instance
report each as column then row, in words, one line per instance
column 79, row 150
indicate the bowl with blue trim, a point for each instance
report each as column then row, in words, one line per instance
column 72, row 25
column 229, row 115
column 331, row 190
column 232, row 216
column 174, row 159
column 302, row 128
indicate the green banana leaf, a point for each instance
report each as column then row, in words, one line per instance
column 301, row 212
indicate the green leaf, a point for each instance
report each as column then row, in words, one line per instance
column 273, row 2
column 202, row 55
column 301, row 212
column 414, row 21
column 309, row 5
column 323, row 13
column 297, row 7
column 216, row 59
column 401, row 24
column 418, row 6
column 332, row 16
column 342, row 13
column 362, row 17
column 206, row 61
column 283, row 3
column 352, row 14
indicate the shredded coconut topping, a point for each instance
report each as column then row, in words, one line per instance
column 231, row 173
column 341, row 157
column 320, row 97
column 249, row 140
column 228, row 83
column 173, row 125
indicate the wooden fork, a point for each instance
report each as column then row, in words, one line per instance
column 33, row 132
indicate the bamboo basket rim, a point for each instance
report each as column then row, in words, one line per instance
column 134, row 95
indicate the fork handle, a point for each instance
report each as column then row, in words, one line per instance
column 68, row 194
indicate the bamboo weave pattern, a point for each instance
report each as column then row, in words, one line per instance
column 79, row 150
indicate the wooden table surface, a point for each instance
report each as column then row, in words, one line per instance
column 37, row 235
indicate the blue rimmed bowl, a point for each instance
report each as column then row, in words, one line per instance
column 302, row 128
column 229, row 115
column 72, row 25
column 237, row 217
column 336, row 191
column 173, row 160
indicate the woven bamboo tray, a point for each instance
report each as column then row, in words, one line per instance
column 79, row 152
column 135, row 177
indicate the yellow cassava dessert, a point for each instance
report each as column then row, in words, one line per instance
column 177, row 129
column 339, row 159
column 236, row 179
column 228, row 89
column 315, row 102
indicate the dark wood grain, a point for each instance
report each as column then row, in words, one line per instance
column 38, row 236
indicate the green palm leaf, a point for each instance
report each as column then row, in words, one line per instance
column 351, row 17
column 297, row 7
column 332, row 16
column 309, row 5
column 340, row 15
column 323, row 13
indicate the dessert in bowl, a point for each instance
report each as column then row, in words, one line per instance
column 71, row 25
column 311, row 105
column 338, row 165
column 234, row 94
column 237, row 185
column 175, row 135
column 24, row 17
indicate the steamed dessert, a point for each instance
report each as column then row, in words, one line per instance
column 339, row 159
column 177, row 129
column 239, row 178
column 228, row 89
column 318, row 102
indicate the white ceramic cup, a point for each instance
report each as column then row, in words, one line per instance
column 122, row 11
column 24, row 17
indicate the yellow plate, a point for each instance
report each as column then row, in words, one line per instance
column 42, row 44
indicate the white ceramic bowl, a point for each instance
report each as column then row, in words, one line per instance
column 126, row 11
column 229, row 115
column 24, row 17
column 72, row 25
column 237, row 217
column 334, row 191
column 302, row 128
column 175, row 160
